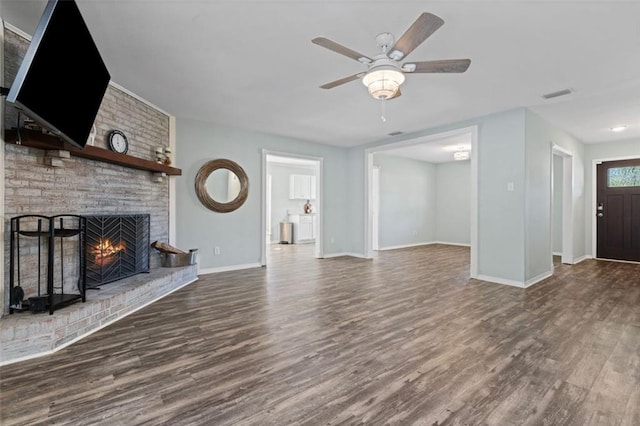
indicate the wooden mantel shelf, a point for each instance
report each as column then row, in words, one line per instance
column 36, row 139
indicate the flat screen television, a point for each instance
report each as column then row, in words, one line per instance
column 62, row 79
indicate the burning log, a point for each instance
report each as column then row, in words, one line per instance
column 166, row 248
column 105, row 252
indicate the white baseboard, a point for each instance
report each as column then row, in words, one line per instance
column 537, row 279
column 515, row 283
column 497, row 280
column 446, row 243
column 427, row 243
column 582, row 258
column 358, row 255
column 557, row 253
column 228, row 268
column 406, row 246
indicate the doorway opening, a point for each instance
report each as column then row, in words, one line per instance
column 450, row 144
column 291, row 203
column 561, row 205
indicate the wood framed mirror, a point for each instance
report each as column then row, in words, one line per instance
column 222, row 185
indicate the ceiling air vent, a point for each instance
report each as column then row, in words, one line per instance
column 557, row 94
column 395, row 133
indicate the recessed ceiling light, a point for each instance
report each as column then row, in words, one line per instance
column 461, row 155
column 618, row 128
column 457, row 147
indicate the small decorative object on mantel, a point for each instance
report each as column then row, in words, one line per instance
column 167, row 156
column 307, row 207
column 159, row 155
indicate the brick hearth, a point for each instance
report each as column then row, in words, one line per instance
column 26, row 335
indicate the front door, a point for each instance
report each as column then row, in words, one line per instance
column 618, row 210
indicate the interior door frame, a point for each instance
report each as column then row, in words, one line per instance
column 594, row 201
column 567, row 256
column 375, row 218
column 319, row 249
column 368, row 177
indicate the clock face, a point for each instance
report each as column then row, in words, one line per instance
column 118, row 142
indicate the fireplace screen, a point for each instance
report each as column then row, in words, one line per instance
column 117, row 247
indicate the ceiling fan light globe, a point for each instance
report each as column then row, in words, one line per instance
column 383, row 83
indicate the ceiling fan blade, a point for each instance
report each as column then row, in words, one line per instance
column 342, row 81
column 338, row 48
column 446, row 65
column 419, row 31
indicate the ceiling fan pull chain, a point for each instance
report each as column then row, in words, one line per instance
column 383, row 110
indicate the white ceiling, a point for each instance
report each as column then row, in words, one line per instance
column 251, row 64
column 434, row 151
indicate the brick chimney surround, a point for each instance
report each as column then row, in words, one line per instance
column 34, row 184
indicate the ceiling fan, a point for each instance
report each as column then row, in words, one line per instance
column 385, row 74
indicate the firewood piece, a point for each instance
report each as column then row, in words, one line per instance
column 166, row 248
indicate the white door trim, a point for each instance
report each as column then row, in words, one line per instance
column 319, row 251
column 567, row 205
column 375, row 224
column 594, row 198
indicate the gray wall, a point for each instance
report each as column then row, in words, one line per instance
column 280, row 202
column 432, row 206
column 238, row 233
column 602, row 151
column 500, row 213
column 453, row 202
column 540, row 135
column 513, row 146
column 407, row 201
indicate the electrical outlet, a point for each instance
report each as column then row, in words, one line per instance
column 216, row 250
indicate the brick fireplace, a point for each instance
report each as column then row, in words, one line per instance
column 74, row 185
column 83, row 186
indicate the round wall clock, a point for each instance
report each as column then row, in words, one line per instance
column 118, row 142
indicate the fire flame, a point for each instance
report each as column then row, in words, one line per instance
column 104, row 251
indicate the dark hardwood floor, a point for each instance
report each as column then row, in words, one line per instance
column 403, row 339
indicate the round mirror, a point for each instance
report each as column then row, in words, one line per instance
column 222, row 185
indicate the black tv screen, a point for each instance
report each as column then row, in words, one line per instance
column 62, row 79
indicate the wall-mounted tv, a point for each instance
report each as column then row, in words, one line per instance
column 62, row 79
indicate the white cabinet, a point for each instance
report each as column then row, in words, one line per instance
column 304, row 227
column 302, row 187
